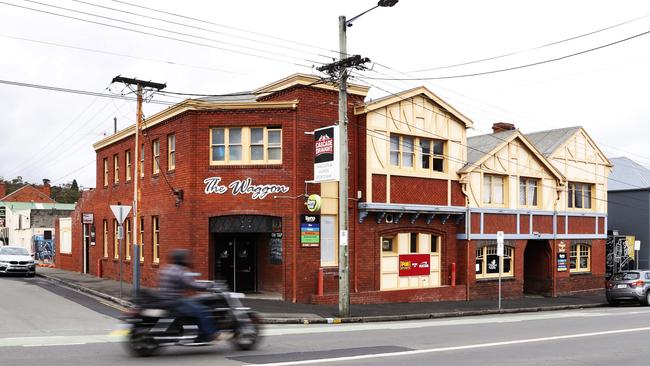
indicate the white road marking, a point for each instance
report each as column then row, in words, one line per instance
column 58, row 340
column 492, row 319
column 456, row 348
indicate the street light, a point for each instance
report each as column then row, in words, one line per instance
column 344, row 264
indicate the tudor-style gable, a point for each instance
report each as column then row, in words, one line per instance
column 575, row 154
column 505, row 170
column 413, row 137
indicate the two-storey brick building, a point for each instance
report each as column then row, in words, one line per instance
column 228, row 178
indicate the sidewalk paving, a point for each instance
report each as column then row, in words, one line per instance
column 283, row 312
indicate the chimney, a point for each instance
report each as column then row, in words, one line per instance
column 46, row 187
column 3, row 189
column 502, row 126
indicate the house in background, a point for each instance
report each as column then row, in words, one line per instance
column 629, row 203
column 27, row 218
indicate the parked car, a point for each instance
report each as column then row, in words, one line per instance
column 16, row 260
column 629, row 285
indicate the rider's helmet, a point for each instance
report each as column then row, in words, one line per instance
column 181, row 257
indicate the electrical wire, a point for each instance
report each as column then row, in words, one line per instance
column 519, row 66
column 491, row 58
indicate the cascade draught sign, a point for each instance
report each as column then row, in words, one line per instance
column 326, row 154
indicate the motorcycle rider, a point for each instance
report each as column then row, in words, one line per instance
column 173, row 280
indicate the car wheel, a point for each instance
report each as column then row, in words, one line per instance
column 612, row 302
column 646, row 300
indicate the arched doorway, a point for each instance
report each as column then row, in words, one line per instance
column 538, row 278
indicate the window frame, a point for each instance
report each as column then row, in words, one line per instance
column 105, row 175
column 155, row 156
column 105, row 239
column 141, row 164
column 116, row 241
column 485, row 250
column 246, row 145
column 577, row 251
column 171, row 152
column 141, row 238
column 128, row 165
column 526, row 182
column 491, row 202
column 116, row 169
column 155, row 238
column 572, row 195
column 397, row 151
column 127, row 237
column 334, row 241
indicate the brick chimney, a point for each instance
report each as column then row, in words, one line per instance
column 46, row 187
column 3, row 189
column 502, row 126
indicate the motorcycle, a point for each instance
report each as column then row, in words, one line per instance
column 151, row 326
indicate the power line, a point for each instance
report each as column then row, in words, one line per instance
column 195, row 27
column 533, row 48
column 152, row 34
column 120, row 54
column 520, row 66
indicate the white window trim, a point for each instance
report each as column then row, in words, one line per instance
column 504, row 190
column 171, row 151
column 508, row 252
column 417, row 154
column 579, row 255
column 245, row 146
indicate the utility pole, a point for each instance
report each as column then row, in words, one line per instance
column 339, row 71
column 140, row 85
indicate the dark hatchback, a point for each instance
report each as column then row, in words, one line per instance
column 629, row 285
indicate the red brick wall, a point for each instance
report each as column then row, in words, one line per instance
column 457, row 196
column 423, row 191
column 378, row 188
column 561, row 225
column 495, row 222
column 543, row 224
column 582, row 225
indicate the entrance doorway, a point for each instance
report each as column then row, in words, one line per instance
column 236, row 261
column 538, row 278
column 87, row 233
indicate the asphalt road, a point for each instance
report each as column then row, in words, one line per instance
column 41, row 323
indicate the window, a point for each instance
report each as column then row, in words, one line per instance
column 579, row 195
column 171, row 152
column 155, row 230
column 116, row 169
column 528, row 191
column 116, row 242
column 413, row 243
column 329, row 255
column 141, row 238
column 580, row 258
column 434, row 243
column 387, row 245
column 429, row 153
column 487, row 262
column 155, row 156
column 105, row 172
column 141, row 167
column 127, row 241
column 493, row 189
column 127, row 158
column 432, row 159
column 245, row 145
column 105, row 238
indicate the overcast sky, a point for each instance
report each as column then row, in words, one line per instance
column 232, row 46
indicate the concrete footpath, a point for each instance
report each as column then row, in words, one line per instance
column 283, row 312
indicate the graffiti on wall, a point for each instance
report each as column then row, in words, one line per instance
column 620, row 253
column 43, row 248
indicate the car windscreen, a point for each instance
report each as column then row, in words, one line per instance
column 14, row 251
column 624, row 276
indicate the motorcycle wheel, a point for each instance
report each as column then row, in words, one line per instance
column 140, row 344
column 246, row 337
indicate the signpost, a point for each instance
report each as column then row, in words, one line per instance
column 637, row 247
column 120, row 213
column 500, row 254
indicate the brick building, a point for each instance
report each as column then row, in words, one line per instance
column 228, row 178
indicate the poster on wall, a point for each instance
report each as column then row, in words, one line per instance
column 326, row 151
column 310, row 230
column 275, row 248
column 561, row 262
column 414, row 265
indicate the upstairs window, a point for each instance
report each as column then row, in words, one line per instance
column 127, row 158
column 105, row 161
column 171, row 152
column 245, row 145
column 528, row 191
column 429, row 154
column 579, row 195
column 493, row 189
column 155, row 155
column 116, row 169
column 141, row 167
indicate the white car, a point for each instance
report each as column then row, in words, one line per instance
column 16, row 260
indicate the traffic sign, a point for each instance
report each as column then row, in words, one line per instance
column 500, row 243
column 120, row 212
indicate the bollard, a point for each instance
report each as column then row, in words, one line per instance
column 453, row 274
